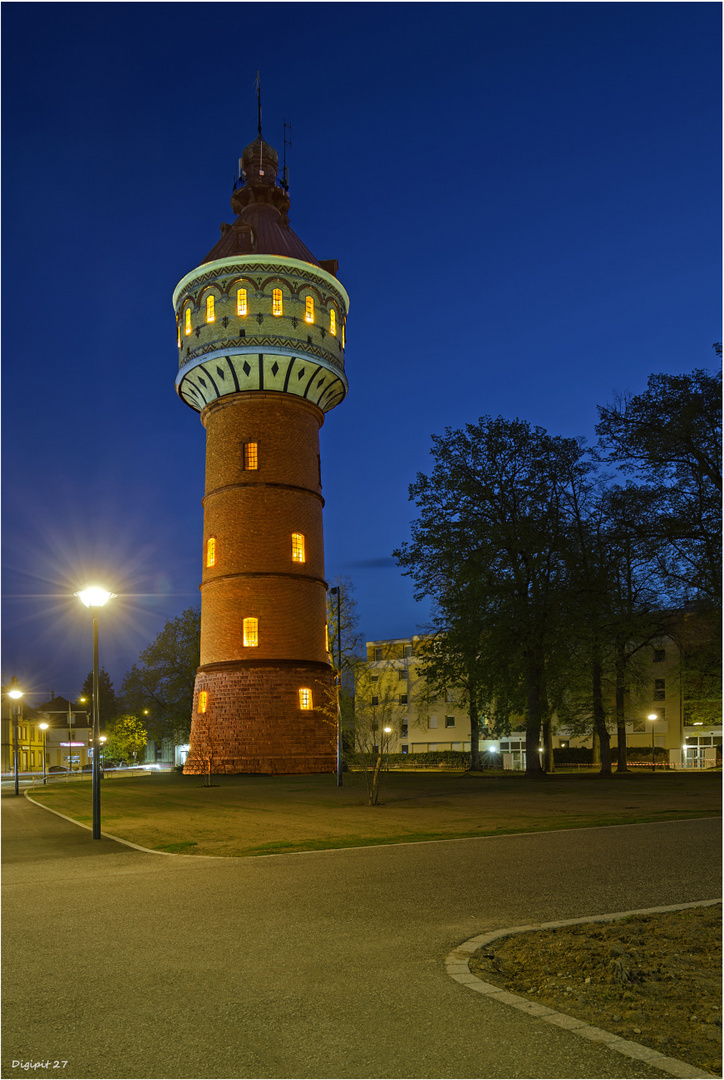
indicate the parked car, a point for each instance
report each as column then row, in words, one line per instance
column 58, row 768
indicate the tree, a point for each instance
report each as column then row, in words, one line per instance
column 493, row 522
column 127, row 739
column 670, row 438
column 345, row 642
column 378, row 718
column 163, row 679
column 108, row 706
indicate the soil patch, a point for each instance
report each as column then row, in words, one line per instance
column 655, row 979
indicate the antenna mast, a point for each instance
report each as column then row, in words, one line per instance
column 287, row 142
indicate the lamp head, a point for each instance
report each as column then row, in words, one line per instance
column 94, row 596
column 43, row 727
column 653, row 716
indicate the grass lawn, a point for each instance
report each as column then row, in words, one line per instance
column 262, row 815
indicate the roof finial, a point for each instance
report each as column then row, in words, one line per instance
column 258, row 102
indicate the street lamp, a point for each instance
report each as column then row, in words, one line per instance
column 336, row 591
column 388, row 732
column 15, row 693
column 44, row 728
column 653, row 717
column 95, row 598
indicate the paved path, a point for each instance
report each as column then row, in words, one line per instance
column 323, row 964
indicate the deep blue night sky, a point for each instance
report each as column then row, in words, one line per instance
column 524, row 200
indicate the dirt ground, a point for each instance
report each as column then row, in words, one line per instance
column 656, row 979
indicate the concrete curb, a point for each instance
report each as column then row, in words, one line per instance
column 457, row 966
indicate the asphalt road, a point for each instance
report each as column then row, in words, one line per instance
column 322, row 964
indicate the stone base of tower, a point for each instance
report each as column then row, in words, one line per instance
column 253, row 721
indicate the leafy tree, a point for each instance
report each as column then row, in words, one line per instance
column 127, row 739
column 493, row 521
column 670, row 438
column 108, row 706
column 163, row 679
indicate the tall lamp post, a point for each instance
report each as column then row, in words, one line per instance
column 653, row 717
column 44, row 729
column 95, row 598
column 388, row 732
column 15, row 693
column 336, row 591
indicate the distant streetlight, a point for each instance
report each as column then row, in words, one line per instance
column 44, row 728
column 653, row 717
column 95, row 598
column 15, row 693
column 388, row 732
column 336, row 591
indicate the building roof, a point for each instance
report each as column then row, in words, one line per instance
column 262, row 204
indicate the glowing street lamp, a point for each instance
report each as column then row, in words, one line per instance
column 15, row 693
column 95, row 598
column 653, row 717
column 388, row 732
column 44, row 728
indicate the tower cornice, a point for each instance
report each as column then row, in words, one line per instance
column 206, row 273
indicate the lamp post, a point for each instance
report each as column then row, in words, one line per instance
column 94, row 598
column 388, row 732
column 15, row 693
column 653, row 717
column 336, row 591
column 44, row 729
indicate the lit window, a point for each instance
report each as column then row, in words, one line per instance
column 305, row 698
column 210, row 316
column 251, row 633
column 241, row 308
column 297, row 547
column 309, row 309
column 344, row 331
column 211, row 551
column 203, row 700
column 251, row 455
column 187, row 321
column 178, row 333
column 277, row 305
column 659, row 689
column 333, row 322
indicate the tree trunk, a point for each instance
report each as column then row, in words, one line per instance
column 374, row 788
column 622, row 763
column 599, row 717
column 533, row 722
column 548, row 759
column 474, row 733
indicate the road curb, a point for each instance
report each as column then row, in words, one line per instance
column 457, row 966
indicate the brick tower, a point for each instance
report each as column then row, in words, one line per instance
column 261, row 326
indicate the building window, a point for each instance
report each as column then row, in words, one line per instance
column 659, row 656
column 251, row 455
column 211, row 551
column 403, row 699
column 344, row 327
column 450, row 696
column 432, row 722
column 378, row 654
column 375, row 700
column 309, row 309
column 432, row 746
column 333, row 322
column 305, row 698
column 187, row 321
column 178, row 333
column 407, row 651
column 449, row 721
column 405, row 748
column 298, row 547
column 659, row 689
column 277, row 303
column 210, row 314
column 203, row 700
column 241, row 305
column 401, row 674
column 251, row 633
column 403, row 731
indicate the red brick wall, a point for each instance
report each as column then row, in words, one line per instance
column 253, row 723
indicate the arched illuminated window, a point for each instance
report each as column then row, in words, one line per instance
column 333, row 322
column 251, row 455
column 344, row 331
column 251, row 633
column 203, row 700
column 241, row 305
column 277, row 304
column 305, row 698
column 187, row 321
column 298, row 547
column 211, row 551
column 178, row 332
column 309, row 309
column 210, row 316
